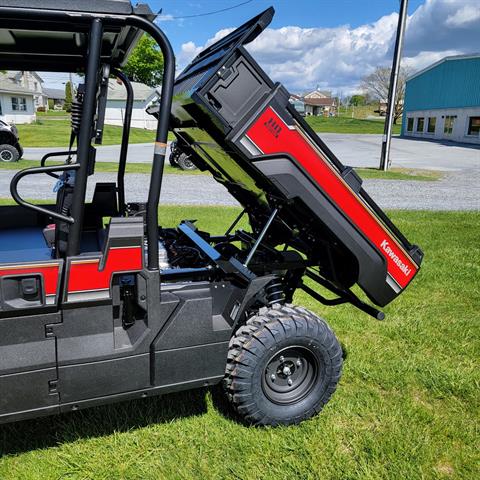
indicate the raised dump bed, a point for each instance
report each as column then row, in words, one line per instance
column 241, row 127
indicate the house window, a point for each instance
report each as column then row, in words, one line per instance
column 474, row 126
column 19, row 104
column 448, row 125
column 410, row 124
column 420, row 124
column 432, row 121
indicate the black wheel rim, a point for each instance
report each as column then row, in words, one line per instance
column 290, row 375
column 6, row 156
column 189, row 165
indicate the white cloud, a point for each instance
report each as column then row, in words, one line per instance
column 338, row 58
column 464, row 16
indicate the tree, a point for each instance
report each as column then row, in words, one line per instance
column 145, row 63
column 357, row 100
column 68, row 97
column 377, row 85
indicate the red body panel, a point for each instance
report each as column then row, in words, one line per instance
column 49, row 271
column 85, row 275
column 273, row 136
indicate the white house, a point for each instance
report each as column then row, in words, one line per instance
column 17, row 99
column 142, row 94
column 33, row 82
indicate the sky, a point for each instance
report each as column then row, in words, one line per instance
column 326, row 44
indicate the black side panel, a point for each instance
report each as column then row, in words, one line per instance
column 188, row 364
column 23, row 392
column 90, row 380
column 24, row 345
column 194, row 321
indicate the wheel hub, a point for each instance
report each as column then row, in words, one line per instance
column 5, row 155
column 290, row 375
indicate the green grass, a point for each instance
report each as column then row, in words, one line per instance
column 56, row 133
column 407, row 406
column 53, row 113
column 348, row 125
column 400, row 174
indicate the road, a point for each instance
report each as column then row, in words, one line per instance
column 355, row 150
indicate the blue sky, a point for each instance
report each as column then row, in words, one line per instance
column 326, row 44
column 302, row 13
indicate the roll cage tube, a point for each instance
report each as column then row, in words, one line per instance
column 125, row 137
column 162, row 133
column 96, row 23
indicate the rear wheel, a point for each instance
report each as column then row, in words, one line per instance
column 8, row 153
column 185, row 163
column 283, row 366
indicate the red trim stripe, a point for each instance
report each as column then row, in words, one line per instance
column 286, row 140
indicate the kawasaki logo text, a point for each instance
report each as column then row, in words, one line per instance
column 403, row 267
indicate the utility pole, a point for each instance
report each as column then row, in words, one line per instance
column 70, row 77
column 392, row 89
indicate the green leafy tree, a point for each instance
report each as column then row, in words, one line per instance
column 145, row 63
column 68, row 97
column 357, row 100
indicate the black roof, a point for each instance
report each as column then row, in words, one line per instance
column 52, row 35
column 115, row 7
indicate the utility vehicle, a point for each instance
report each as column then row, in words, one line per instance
column 179, row 159
column 10, row 148
column 98, row 303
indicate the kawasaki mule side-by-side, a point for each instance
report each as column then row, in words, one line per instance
column 98, row 303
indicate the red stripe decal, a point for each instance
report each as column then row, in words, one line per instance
column 85, row 275
column 49, row 272
column 271, row 135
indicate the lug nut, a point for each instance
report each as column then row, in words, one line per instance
column 282, row 358
column 289, row 381
column 299, row 363
column 273, row 377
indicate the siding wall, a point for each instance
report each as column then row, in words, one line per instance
column 452, row 84
column 115, row 114
column 460, row 124
column 10, row 116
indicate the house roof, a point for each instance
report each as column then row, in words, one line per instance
column 320, row 102
column 445, row 59
column 19, row 73
column 7, row 85
column 56, row 93
column 141, row 91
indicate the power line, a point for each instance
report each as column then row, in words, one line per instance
column 211, row 13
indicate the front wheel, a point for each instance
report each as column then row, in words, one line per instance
column 8, row 153
column 283, row 366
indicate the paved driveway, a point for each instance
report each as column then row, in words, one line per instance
column 355, row 150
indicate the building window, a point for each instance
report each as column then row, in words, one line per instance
column 420, row 124
column 448, row 125
column 19, row 104
column 432, row 121
column 474, row 126
column 410, row 124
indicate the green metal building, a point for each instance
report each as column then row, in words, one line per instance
column 442, row 101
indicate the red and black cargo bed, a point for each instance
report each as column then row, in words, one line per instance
column 241, row 127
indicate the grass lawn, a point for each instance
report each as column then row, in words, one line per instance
column 407, row 406
column 392, row 174
column 56, row 133
column 348, row 125
column 53, row 113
